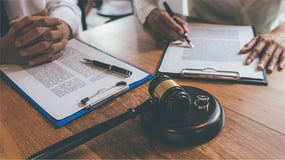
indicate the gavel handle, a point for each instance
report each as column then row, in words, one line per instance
column 86, row 135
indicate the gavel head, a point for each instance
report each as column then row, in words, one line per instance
column 173, row 100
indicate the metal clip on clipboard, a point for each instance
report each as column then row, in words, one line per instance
column 210, row 73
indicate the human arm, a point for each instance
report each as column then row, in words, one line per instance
column 143, row 8
column 270, row 47
column 163, row 26
column 68, row 12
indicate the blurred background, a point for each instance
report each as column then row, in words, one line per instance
column 99, row 12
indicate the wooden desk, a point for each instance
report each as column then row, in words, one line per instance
column 254, row 126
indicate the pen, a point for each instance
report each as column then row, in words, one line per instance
column 110, row 67
column 171, row 14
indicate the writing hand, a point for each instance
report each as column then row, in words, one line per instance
column 270, row 46
column 165, row 27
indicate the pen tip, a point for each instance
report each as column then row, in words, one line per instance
column 191, row 45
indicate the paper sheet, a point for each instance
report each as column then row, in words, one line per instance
column 216, row 46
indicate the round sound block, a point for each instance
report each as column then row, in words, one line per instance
column 198, row 125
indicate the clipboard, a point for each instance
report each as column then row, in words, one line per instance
column 182, row 68
column 7, row 72
column 215, row 75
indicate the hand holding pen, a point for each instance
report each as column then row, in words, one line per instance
column 167, row 26
column 171, row 14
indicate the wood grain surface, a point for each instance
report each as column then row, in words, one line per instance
column 254, row 125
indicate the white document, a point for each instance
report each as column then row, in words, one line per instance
column 58, row 86
column 216, row 48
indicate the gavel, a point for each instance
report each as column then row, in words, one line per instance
column 167, row 115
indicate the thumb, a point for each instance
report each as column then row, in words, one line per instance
column 17, row 19
column 43, row 12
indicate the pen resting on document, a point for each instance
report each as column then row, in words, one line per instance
column 119, row 70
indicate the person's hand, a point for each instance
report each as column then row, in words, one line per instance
column 9, row 52
column 165, row 27
column 44, row 41
column 271, row 48
column 34, row 39
column 41, row 38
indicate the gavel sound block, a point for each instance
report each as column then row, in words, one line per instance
column 184, row 115
column 202, row 122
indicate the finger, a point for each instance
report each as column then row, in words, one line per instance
column 247, row 47
column 172, row 32
column 267, row 55
column 161, row 29
column 55, row 47
column 173, row 29
column 35, row 21
column 30, row 37
column 166, row 32
column 43, row 22
column 161, row 23
column 43, row 12
column 45, row 58
column 256, row 50
column 274, row 60
column 57, row 55
column 174, row 24
column 47, row 22
column 26, row 21
column 182, row 23
column 281, row 63
column 17, row 19
column 65, row 30
column 52, row 35
column 36, row 48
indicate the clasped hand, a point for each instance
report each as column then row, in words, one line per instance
column 269, row 47
column 34, row 39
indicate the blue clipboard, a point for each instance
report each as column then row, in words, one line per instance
column 83, row 111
